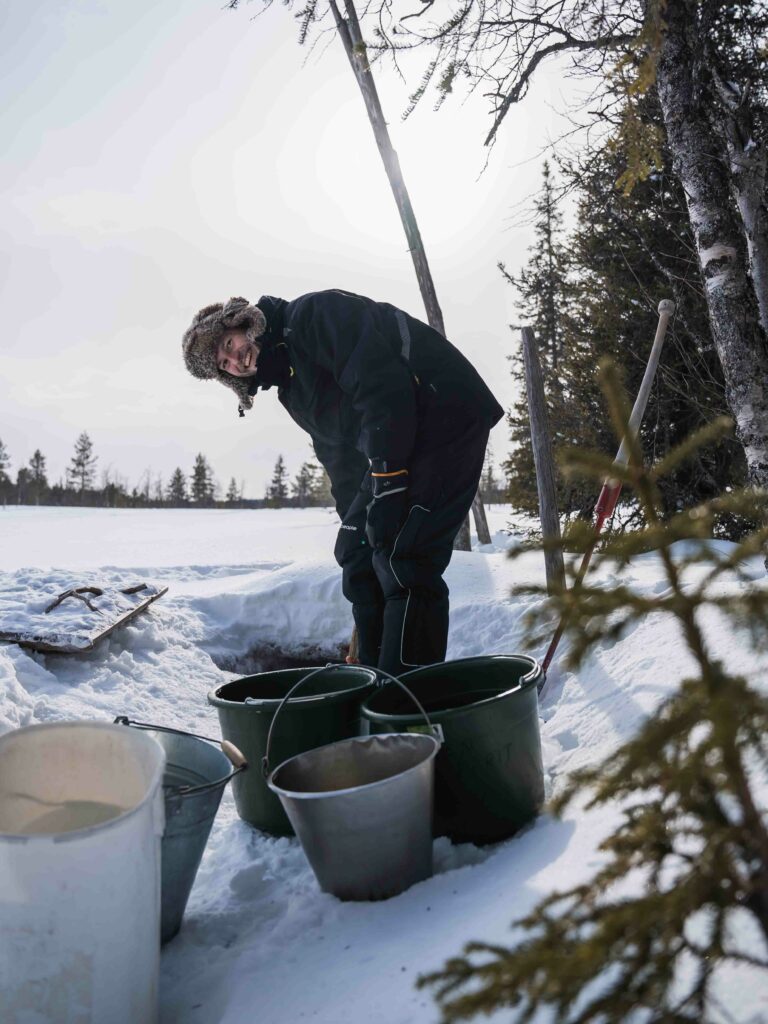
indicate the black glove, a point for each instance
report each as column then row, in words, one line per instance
column 387, row 510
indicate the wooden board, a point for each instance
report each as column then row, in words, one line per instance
column 51, row 640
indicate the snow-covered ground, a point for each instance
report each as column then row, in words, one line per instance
column 260, row 942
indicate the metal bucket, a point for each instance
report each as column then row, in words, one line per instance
column 489, row 778
column 196, row 774
column 362, row 809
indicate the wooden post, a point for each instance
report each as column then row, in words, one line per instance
column 543, row 460
column 354, row 46
column 463, row 539
column 481, row 522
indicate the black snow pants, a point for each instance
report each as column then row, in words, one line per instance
column 399, row 597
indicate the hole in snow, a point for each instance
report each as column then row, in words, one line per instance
column 269, row 658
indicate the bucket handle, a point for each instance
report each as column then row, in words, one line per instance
column 529, row 676
column 236, row 758
column 323, row 668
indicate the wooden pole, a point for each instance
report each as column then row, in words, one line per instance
column 481, row 522
column 354, row 46
column 543, row 460
column 356, row 51
column 611, row 489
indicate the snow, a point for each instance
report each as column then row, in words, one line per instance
column 260, row 942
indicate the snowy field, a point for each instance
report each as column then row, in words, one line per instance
column 260, row 942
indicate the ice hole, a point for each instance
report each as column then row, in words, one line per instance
column 266, row 657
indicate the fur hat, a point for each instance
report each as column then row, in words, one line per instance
column 203, row 335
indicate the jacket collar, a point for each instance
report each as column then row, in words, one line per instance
column 274, row 363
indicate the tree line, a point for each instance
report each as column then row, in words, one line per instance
column 310, row 486
column 197, row 489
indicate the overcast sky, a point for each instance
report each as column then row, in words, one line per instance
column 159, row 156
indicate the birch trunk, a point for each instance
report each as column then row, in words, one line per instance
column 749, row 163
column 700, row 161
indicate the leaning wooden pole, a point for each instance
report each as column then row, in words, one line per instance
column 355, row 48
column 349, row 30
column 611, row 489
column 544, row 462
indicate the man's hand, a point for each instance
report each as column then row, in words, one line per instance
column 387, row 510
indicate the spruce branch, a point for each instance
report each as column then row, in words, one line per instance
column 647, row 936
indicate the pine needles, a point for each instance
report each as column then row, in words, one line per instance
column 644, row 939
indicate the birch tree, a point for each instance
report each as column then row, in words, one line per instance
column 729, row 248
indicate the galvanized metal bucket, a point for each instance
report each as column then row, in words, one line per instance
column 196, row 774
column 362, row 809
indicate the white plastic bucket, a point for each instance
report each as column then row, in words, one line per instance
column 81, row 818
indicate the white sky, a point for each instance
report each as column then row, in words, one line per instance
column 159, row 156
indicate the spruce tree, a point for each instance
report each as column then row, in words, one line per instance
column 233, row 495
column 692, row 836
column 321, row 491
column 490, row 486
column 546, row 296
column 82, row 466
column 304, row 483
column 277, row 491
column 543, row 284
column 202, row 485
column 177, row 488
column 39, row 479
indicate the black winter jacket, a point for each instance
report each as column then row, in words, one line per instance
column 368, row 383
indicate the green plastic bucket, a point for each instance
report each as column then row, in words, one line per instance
column 327, row 711
column 489, row 778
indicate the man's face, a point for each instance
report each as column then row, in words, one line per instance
column 236, row 355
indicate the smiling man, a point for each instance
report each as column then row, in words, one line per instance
column 399, row 419
column 236, row 355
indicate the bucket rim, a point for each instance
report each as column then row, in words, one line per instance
column 327, row 793
column 188, row 792
column 268, row 704
column 534, row 672
column 212, row 747
column 89, row 830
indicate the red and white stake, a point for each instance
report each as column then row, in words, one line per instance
column 611, row 489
